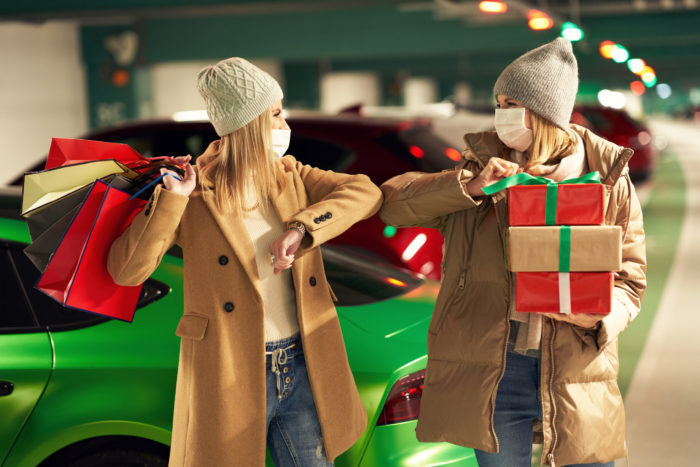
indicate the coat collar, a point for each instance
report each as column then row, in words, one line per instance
column 284, row 203
column 609, row 159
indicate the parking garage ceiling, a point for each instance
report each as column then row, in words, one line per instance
column 442, row 38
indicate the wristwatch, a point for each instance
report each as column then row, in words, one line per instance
column 297, row 225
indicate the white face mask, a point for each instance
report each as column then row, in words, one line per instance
column 280, row 141
column 511, row 129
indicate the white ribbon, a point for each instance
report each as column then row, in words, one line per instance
column 564, row 293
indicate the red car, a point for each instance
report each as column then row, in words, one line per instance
column 350, row 143
column 617, row 126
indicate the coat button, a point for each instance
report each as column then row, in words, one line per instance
column 317, row 220
column 328, row 215
column 147, row 211
column 223, row 260
column 228, row 307
column 287, row 380
column 312, row 281
column 285, row 369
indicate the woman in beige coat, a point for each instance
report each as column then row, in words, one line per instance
column 262, row 358
column 495, row 375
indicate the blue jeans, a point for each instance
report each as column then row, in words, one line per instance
column 293, row 430
column 517, row 405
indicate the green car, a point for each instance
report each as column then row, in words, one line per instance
column 78, row 389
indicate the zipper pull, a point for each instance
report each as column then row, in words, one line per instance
column 462, row 279
column 550, row 460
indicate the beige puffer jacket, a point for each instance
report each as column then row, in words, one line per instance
column 583, row 416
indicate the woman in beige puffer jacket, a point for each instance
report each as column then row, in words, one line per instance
column 496, row 376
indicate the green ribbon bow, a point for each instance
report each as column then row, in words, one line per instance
column 551, row 200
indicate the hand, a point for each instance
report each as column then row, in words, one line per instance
column 582, row 320
column 188, row 182
column 540, row 170
column 496, row 169
column 282, row 250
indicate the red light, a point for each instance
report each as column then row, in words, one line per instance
column 403, row 402
column 607, row 48
column 637, row 88
column 393, row 281
column 416, row 151
column 493, row 7
column 453, row 154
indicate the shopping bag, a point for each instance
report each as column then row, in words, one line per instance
column 65, row 151
column 68, row 151
column 43, row 188
column 44, row 217
column 76, row 274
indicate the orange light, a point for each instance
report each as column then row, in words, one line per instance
column 647, row 69
column 416, row 151
column 396, row 282
column 538, row 20
column 607, row 48
column 539, row 24
column 493, row 7
column 120, row 78
column 637, row 88
column 453, row 154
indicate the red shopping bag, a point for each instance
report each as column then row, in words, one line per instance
column 76, row 275
column 66, row 151
column 69, row 151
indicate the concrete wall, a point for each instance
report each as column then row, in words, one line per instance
column 42, row 91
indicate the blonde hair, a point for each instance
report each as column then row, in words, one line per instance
column 244, row 164
column 550, row 143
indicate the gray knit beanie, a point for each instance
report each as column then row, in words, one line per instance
column 236, row 92
column 545, row 80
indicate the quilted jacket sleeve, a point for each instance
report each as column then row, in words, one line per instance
column 425, row 199
column 630, row 282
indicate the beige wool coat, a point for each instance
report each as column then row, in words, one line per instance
column 219, row 415
column 583, row 419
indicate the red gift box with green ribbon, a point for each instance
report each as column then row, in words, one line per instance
column 540, row 201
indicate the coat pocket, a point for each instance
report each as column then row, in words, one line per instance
column 192, row 326
column 444, row 310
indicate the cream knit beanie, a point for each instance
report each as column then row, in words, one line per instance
column 545, row 80
column 236, row 92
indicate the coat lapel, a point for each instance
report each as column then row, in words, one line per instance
column 237, row 236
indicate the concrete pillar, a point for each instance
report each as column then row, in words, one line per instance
column 343, row 89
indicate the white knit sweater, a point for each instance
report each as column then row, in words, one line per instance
column 279, row 298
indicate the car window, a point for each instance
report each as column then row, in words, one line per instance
column 53, row 315
column 419, row 144
column 15, row 315
column 49, row 312
column 597, row 119
column 320, row 153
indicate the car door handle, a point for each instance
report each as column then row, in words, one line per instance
column 6, row 388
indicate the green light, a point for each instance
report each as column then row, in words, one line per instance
column 650, row 81
column 389, row 231
column 620, row 54
column 636, row 65
column 571, row 32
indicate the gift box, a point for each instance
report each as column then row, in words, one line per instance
column 563, row 292
column 564, row 248
column 556, row 204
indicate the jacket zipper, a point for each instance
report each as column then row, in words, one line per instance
column 550, row 456
column 501, row 229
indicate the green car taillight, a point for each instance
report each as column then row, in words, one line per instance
column 403, row 403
